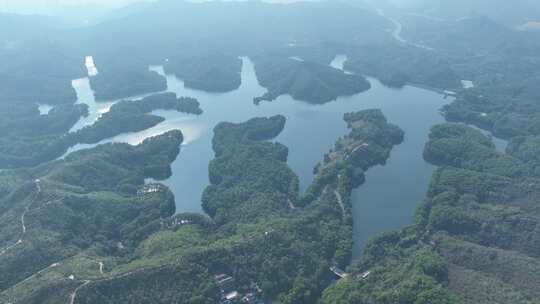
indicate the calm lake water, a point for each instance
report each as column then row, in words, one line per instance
column 386, row 201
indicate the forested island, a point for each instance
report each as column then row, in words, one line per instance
column 306, row 81
column 211, row 71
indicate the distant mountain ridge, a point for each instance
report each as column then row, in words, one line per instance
column 69, row 14
column 514, row 12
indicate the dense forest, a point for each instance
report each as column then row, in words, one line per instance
column 88, row 204
column 398, row 65
column 29, row 138
column 307, row 81
column 132, row 116
column 258, row 220
column 98, row 227
column 474, row 239
column 212, row 72
column 112, row 84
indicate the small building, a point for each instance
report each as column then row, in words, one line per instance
column 365, row 275
column 231, row 296
column 150, row 188
column 467, row 84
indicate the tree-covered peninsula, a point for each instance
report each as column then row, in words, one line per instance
column 306, row 81
column 272, row 242
column 28, row 138
column 132, row 116
column 57, row 217
column 397, row 65
column 33, row 138
column 474, row 239
column 116, row 81
column 210, row 71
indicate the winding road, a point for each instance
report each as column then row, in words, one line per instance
column 73, row 295
column 23, row 225
column 396, row 33
column 360, row 146
column 340, row 202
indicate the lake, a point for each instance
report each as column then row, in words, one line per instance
column 386, row 201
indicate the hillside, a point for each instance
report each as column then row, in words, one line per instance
column 474, row 239
column 259, row 224
column 306, row 81
column 213, row 72
column 509, row 12
column 87, row 205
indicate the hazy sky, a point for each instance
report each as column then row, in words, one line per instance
column 51, row 6
column 40, row 6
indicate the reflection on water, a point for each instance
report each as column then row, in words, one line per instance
column 173, row 121
column 44, row 109
column 392, row 192
column 339, row 62
column 386, row 201
column 85, row 95
column 90, row 66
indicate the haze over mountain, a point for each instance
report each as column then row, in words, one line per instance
column 74, row 13
column 270, row 151
column 508, row 11
column 46, row 6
